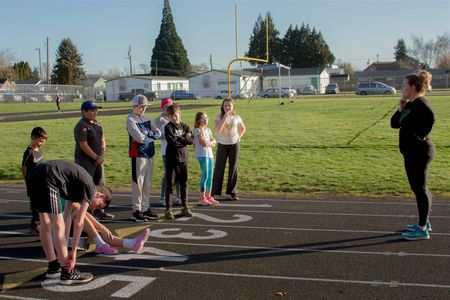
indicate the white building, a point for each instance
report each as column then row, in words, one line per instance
column 163, row 85
column 299, row 78
column 210, row 83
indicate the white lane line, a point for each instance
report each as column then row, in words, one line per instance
column 245, row 205
column 279, row 213
column 243, row 275
column 317, row 213
column 17, row 297
column 18, row 233
column 281, row 250
column 284, row 228
column 15, row 200
column 275, row 199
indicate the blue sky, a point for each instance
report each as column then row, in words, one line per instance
column 355, row 30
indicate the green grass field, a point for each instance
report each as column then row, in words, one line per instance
column 317, row 145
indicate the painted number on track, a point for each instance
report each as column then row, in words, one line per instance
column 163, row 233
column 136, row 283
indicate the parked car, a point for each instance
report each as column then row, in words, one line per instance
column 309, row 90
column 332, row 88
column 46, row 97
column 182, row 95
column 30, row 98
column 127, row 96
column 275, row 93
column 374, row 88
column 235, row 95
column 290, row 90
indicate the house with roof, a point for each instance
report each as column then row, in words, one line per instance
column 298, row 78
column 162, row 85
column 6, row 85
column 94, row 87
column 210, row 83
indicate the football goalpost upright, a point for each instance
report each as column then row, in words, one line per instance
column 246, row 58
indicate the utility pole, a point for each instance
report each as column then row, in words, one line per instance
column 48, row 63
column 40, row 63
column 210, row 62
column 129, row 57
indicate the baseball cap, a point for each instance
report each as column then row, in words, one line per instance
column 166, row 102
column 88, row 104
column 139, row 100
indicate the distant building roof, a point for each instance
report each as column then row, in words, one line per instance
column 297, row 71
column 232, row 72
column 29, row 81
column 397, row 73
column 149, row 77
column 391, row 65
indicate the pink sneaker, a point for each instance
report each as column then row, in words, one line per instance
column 140, row 240
column 213, row 201
column 106, row 249
column 204, row 202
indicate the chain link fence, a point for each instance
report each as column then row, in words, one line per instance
column 40, row 93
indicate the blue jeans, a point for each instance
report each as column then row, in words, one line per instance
column 207, row 168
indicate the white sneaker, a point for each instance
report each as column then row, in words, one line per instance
column 177, row 202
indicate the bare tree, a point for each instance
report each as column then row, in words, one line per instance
column 145, row 68
column 444, row 61
column 428, row 52
column 6, row 59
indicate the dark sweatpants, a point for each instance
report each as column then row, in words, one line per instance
column 224, row 152
column 416, row 166
column 176, row 172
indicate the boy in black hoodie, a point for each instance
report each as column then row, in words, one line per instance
column 178, row 136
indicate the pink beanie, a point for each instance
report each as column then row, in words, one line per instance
column 166, row 102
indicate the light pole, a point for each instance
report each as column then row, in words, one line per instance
column 40, row 64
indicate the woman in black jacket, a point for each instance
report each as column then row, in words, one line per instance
column 415, row 118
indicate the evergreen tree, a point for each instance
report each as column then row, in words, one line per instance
column 69, row 64
column 35, row 74
column 22, row 70
column 257, row 45
column 400, row 52
column 169, row 56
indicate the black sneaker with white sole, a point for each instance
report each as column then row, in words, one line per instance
column 54, row 269
column 74, row 277
column 137, row 216
column 150, row 215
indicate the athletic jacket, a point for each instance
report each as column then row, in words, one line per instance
column 141, row 134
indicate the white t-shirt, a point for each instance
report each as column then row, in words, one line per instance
column 202, row 151
column 229, row 135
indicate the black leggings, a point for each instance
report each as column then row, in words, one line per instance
column 416, row 166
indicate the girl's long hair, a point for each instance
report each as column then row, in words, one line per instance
column 222, row 111
column 198, row 118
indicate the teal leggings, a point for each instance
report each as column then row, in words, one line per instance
column 207, row 168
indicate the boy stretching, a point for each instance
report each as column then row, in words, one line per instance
column 46, row 183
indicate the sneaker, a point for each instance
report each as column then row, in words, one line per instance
column 101, row 215
column 416, row 235
column 140, row 240
column 161, row 203
column 74, row 277
column 168, row 215
column 412, row 227
column 149, row 215
column 177, row 202
column 137, row 216
column 213, row 201
column 106, row 249
column 234, row 197
column 186, row 212
column 204, row 201
column 54, row 270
